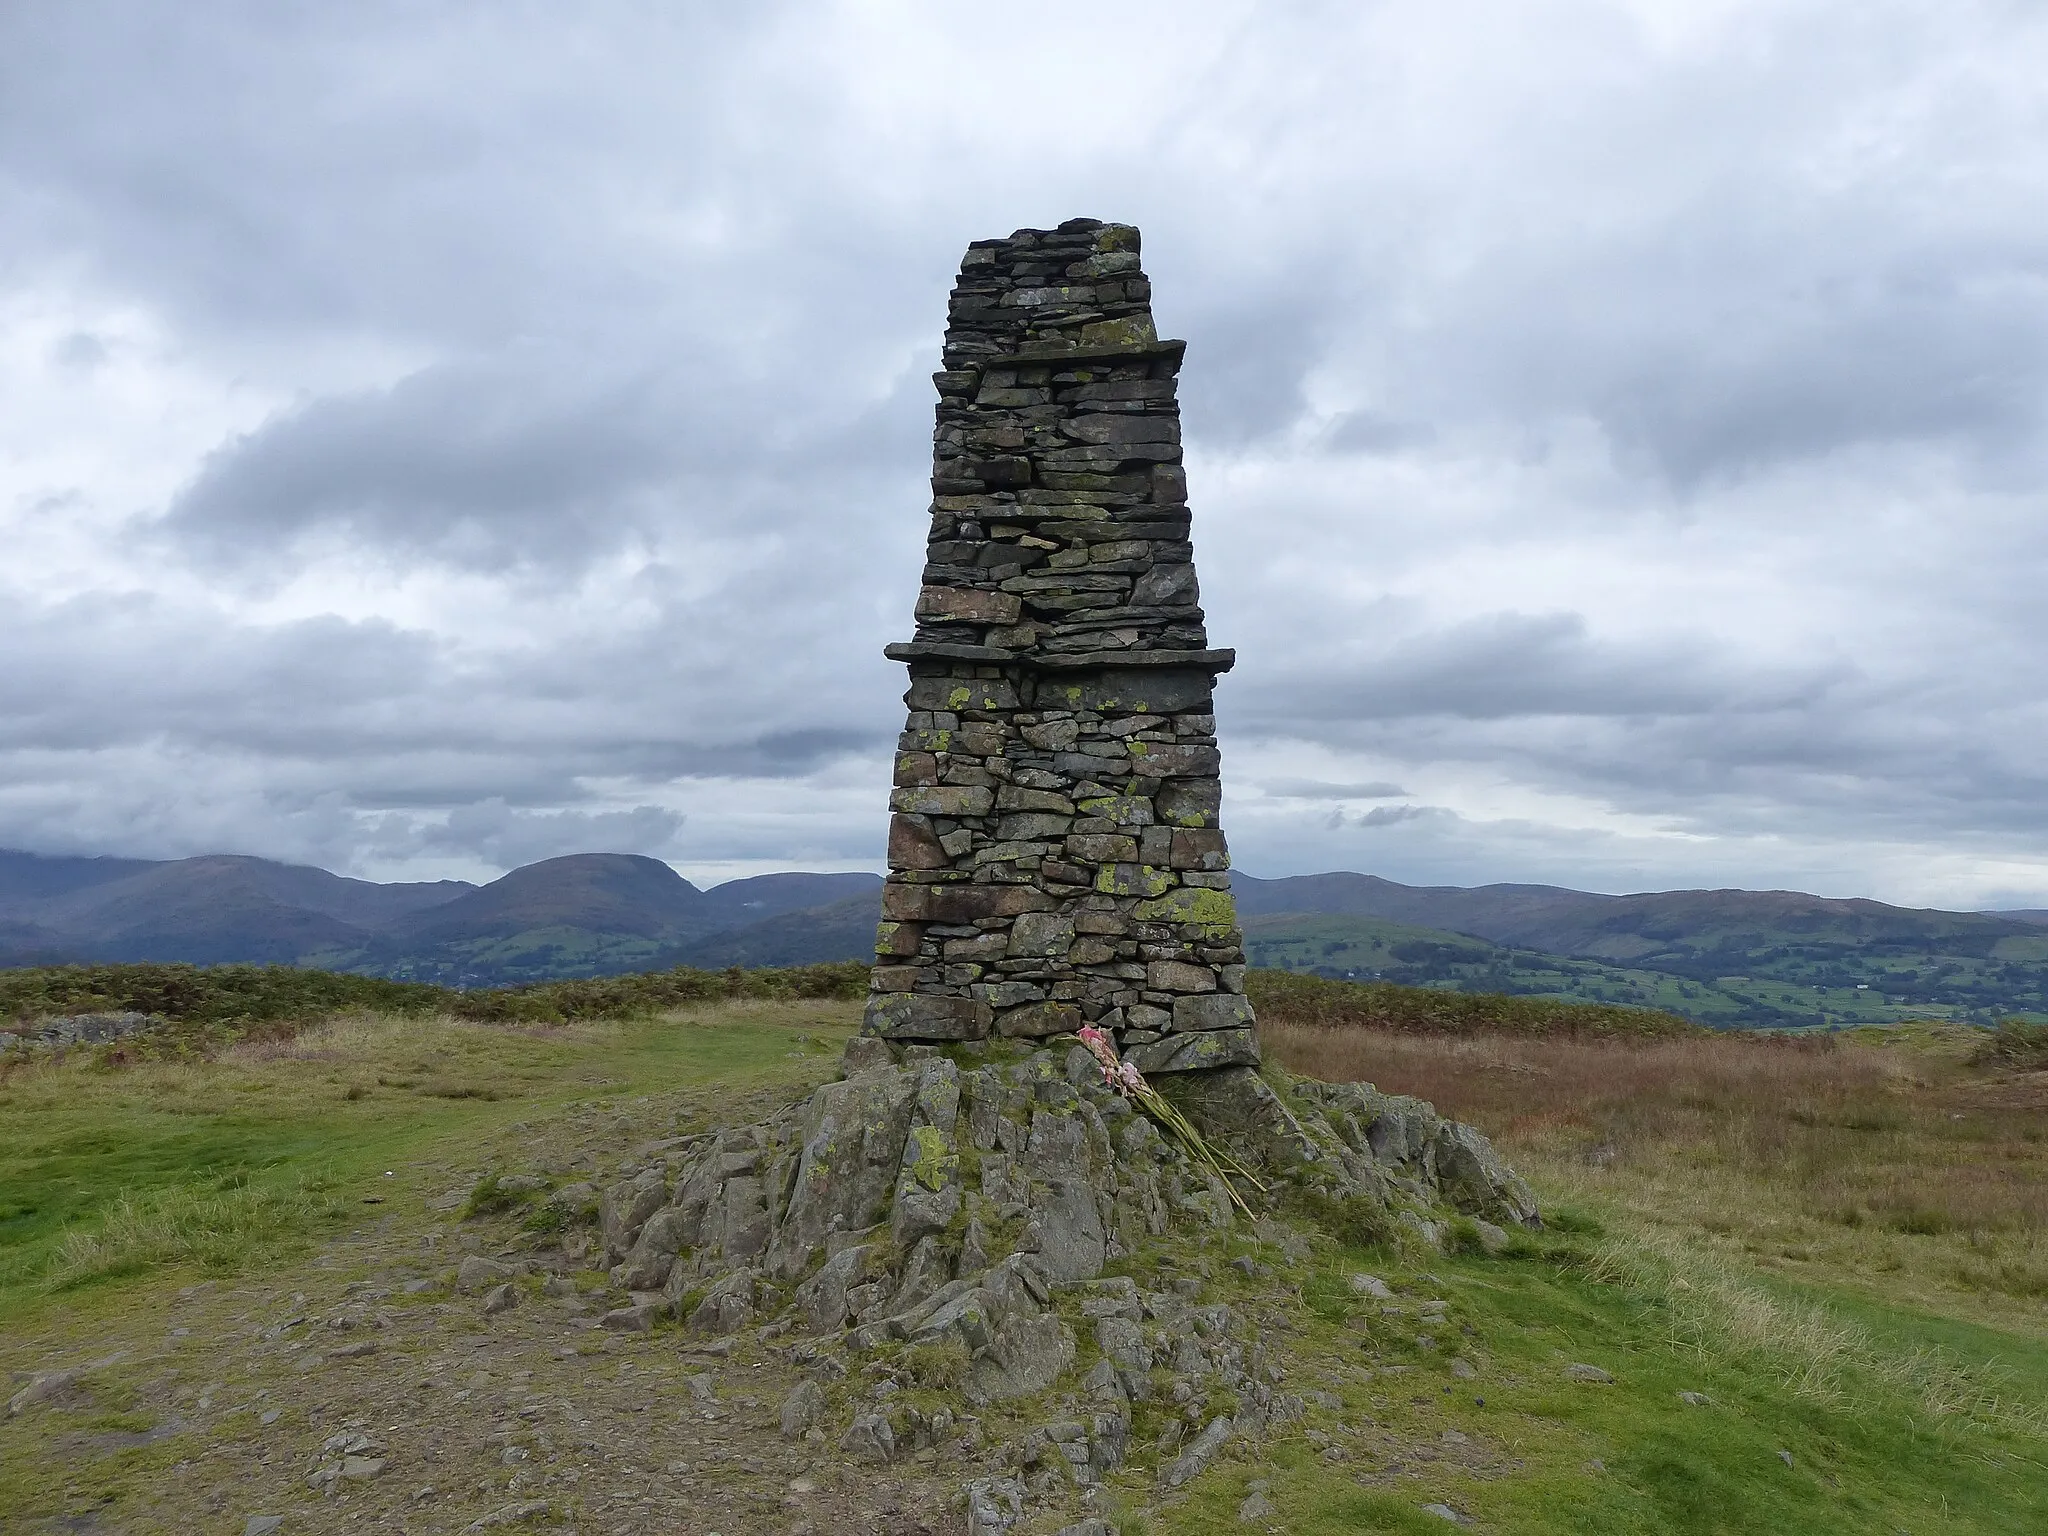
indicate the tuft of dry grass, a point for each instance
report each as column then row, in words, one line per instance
column 1907, row 1169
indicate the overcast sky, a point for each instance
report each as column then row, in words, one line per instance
column 434, row 438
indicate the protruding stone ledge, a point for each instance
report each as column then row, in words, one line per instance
column 1200, row 1052
column 1039, row 353
column 1218, row 661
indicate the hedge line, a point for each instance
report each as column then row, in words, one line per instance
column 235, row 995
column 251, row 994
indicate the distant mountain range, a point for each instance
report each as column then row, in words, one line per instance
column 582, row 915
column 1727, row 957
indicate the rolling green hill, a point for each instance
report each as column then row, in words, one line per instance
column 1809, row 974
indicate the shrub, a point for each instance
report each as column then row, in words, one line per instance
column 941, row 1366
column 2016, row 1044
column 241, row 1000
column 1354, row 1220
column 1284, row 996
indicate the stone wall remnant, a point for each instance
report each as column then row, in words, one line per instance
column 1054, row 850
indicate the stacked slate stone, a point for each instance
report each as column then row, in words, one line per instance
column 1054, row 855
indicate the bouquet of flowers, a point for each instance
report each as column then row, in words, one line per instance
column 1127, row 1080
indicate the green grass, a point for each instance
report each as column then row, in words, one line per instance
column 1893, row 1421
column 108, row 1170
column 124, row 1179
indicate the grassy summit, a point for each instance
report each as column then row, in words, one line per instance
column 1836, row 1248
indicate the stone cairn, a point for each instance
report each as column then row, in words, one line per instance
column 1054, row 853
column 960, row 1192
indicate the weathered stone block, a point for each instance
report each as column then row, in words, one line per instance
column 917, row 768
column 1198, row 849
column 1179, row 976
column 914, row 845
column 981, row 949
column 968, row 605
column 1132, row 880
column 1016, row 797
column 1189, row 803
column 1036, row 1020
column 1131, row 691
column 1166, row 586
column 954, row 694
column 1211, row 1011
column 1203, row 1051
column 1124, row 810
column 893, row 938
column 1103, row 848
column 1033, row 826
column 1052, row 735
column 1041, row 933
column 944, row 799
column 924, row 1016
column 1157, row 760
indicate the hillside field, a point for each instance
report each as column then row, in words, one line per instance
column 1756, row 979
column 246, row 1248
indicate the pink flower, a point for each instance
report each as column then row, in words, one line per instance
column 1105, row 1053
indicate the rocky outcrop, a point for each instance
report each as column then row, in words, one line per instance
column 76, row 1029
column 935, row 1200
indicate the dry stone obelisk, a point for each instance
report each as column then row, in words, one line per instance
column 1054, row 853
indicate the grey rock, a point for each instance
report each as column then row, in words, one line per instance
column 866, row 1053
column 1257, row 1508
column 43, row 1387
column 500, row 1298
column 262, row 1525
column 1591, row 1375
column 869, row 1438
column 1372, row 1286
column 625, row 1207
column 1072, row 1244
column 1025, row 1355
column 995, row 1505
column 802, row 1409
column 1473, row 1177
column 1445, row 1512
column 852, row 1151
column 821, row 1300
column 1191, row 1462
column 1695, row 1399
column 638, row 1316
column 1122, row 1342
column 727, row 1306
column 477, row 1273
column 1203, row 1051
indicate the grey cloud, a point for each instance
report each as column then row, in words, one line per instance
column 1507, row 665
column 1384, row 816
column 479, row 466
column 492, row 833
column 1318, row 789
column 648, row 300
column 1371, row 432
